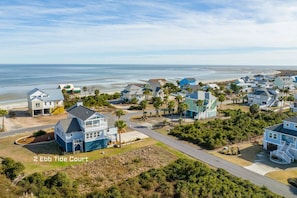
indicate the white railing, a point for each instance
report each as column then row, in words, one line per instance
column 285, row 159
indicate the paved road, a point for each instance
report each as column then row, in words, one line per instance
column 201, row 155
column 23, row 130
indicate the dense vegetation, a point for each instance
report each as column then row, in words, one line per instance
column 89, row 101
column 185, row 178
column 239, row 127
column 10, row 168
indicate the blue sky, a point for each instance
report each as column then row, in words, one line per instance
column 220, row 32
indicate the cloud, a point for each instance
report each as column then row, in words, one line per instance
column 215, row 32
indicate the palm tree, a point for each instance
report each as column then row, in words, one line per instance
column 97, row 92
column 85, row 90
column 147, row 92
column 121, row 125
column 119, row 113
column 2, row 114
column 170, row 106
column 183, row 107
column 143, row 105
column 157, row 104
column 179, row 99
column 221, row 99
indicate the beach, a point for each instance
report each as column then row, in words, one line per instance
column 19, row 79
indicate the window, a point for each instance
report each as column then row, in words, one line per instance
column 87, row 136
column 89, row 124
column 96, row 122
column 270, row 135
column 287, row 124
column 91, row 135
column 274, row 136
column 37, row 104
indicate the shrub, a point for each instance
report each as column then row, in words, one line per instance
column 39, row 133
column 11, row 168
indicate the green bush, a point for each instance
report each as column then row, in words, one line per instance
column 39, row 133
column 11, row 168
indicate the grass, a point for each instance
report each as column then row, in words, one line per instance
column 34, row 157
column 282, row 175
column 248, row 152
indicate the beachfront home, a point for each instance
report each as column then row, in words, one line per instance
column 84, row 130
column 294, row 105
column 133, row 91
column 264, row 97
column 283, row 82
column 69, row 88
column 43, row 102
column 281, row 141
column 207, row 108
column 155, row 85
column 186, row 82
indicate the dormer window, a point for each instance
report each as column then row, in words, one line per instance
column 287, row 125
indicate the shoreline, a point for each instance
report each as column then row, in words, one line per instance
column 22, row 103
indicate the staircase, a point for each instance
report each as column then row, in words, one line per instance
column 282, row 155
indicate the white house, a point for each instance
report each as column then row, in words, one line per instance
column 264, row 97
column 43, row 102
column 156, row 86
column 84, row 130
column 283, row 82
column 281, row 141
column 133, row 91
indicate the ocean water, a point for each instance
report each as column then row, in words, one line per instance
column 17, row 80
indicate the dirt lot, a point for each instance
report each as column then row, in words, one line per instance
column 22, row 119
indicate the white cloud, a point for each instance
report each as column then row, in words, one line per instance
column 227, row 32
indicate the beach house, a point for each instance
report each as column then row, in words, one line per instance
column 281, row 141
column 84, row 130
column 133, row 91
column 284, row 82
column 186, row 82
column 155, row 85
column 43, row 102
column 207, row 108
column 264, row 97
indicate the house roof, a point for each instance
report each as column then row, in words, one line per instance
column 51, row 94
column 70, row 125
column 280, row 128
column 291, row 119
column 81, row 112
column 190, row 79
column 201, row 95
column 157, row 80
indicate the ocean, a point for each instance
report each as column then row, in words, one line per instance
column 16, row 80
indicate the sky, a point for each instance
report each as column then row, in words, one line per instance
column 213, row 32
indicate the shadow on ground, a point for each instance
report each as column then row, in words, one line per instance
column 46, row 148
column 257, row 154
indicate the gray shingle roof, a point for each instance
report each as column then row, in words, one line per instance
column 70, row 125
column 280, row 128
column 81, row 112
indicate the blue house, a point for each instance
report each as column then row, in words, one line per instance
column 208, row 108
column 281, row 141
column 84, row 130
column 186, row 82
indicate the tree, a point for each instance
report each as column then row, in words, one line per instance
column 121, row 125
column 157, row 104
column 134, row 101
column 146, row 93
column 179, row 99
column 119, row 113
column 183, row 107
column 143, row 105
column 97, row 92
column 254, row 109
column 170, row 106
column 11, row 168
column 85, row 90
column 221, row 99
column 2, row 114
